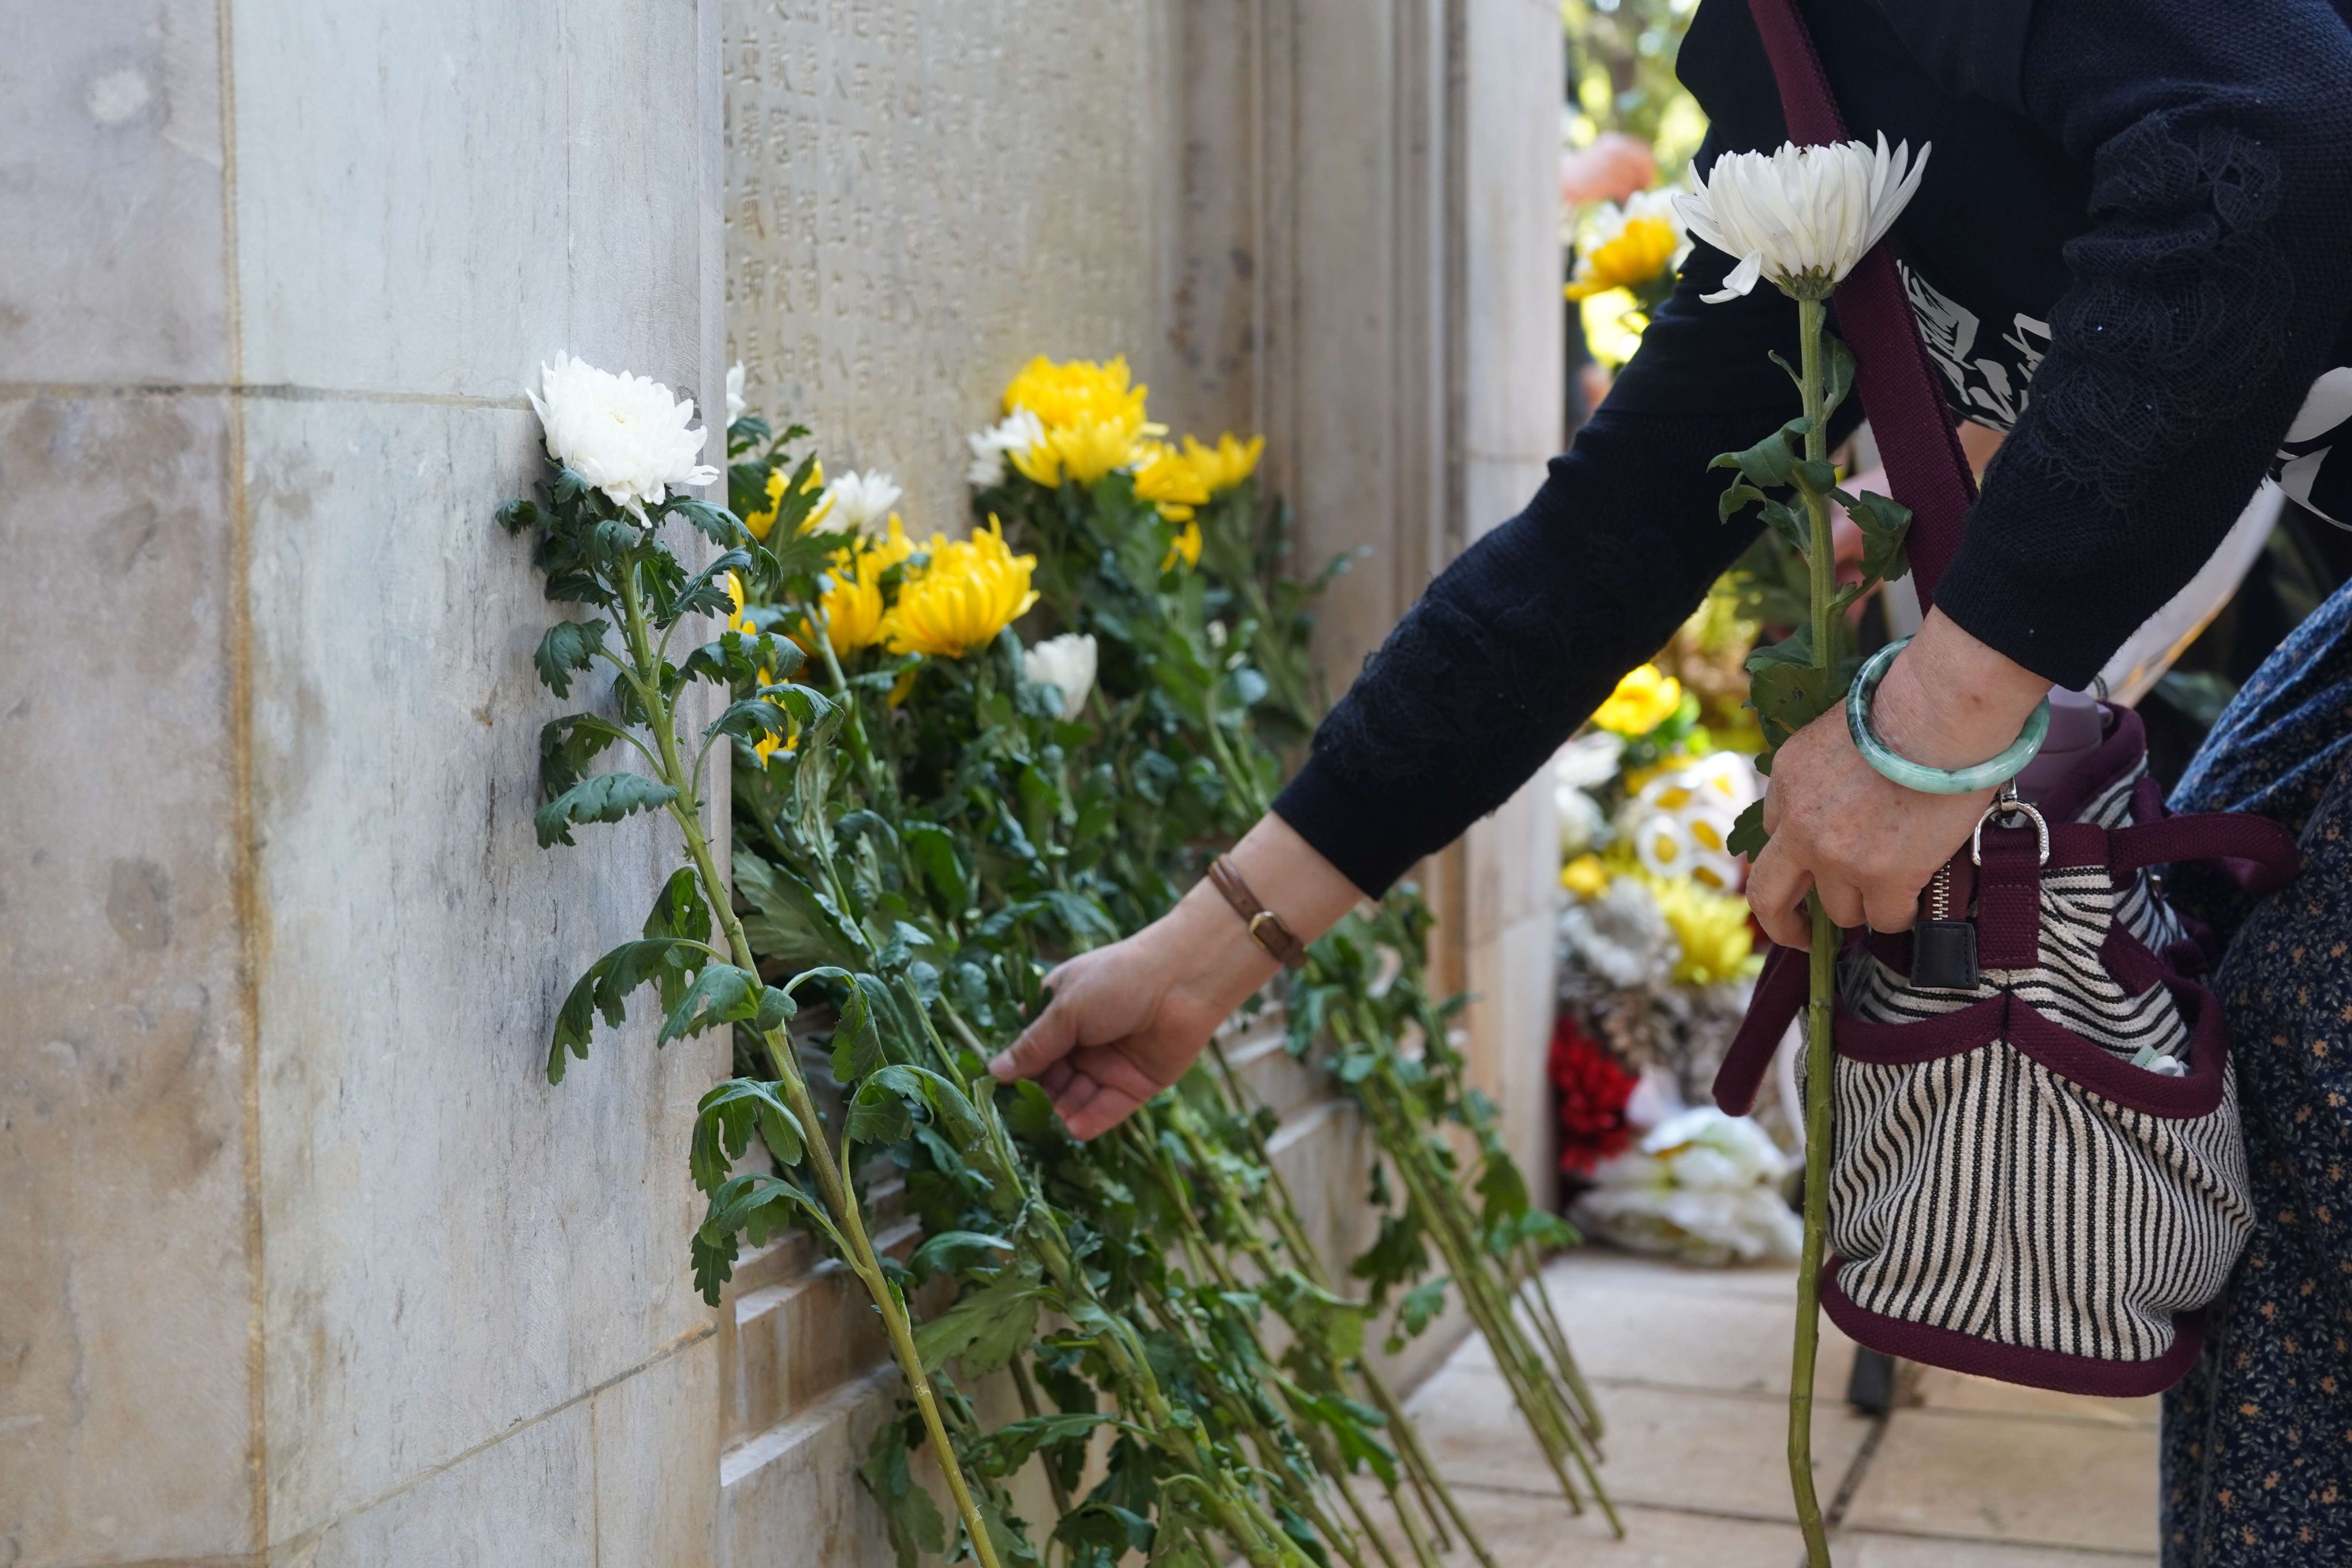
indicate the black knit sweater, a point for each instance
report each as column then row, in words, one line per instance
column 2142, row 210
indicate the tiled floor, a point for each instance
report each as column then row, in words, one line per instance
column 1691, row 1367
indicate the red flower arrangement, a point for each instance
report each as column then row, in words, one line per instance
column 1591, row 1090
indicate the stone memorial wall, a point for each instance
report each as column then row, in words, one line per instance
column 301, row 1261
column 919, row 197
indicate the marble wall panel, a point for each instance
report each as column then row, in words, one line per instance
column 126, row 1287
column 454, row 1245
column 919, row 198
column 112, row 258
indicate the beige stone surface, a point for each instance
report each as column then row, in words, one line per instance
column 2000, row 1478
column 1640, row 1319
column 656, row 1456
column 1700, row 1476
column 1664, row 1446
column 112, row 209
column 126, row 1284
column 302, row 1258
column 1854, row 1549
column 790, row 1499
column 417, row 944
column 919, row 198
column 1940, row 1390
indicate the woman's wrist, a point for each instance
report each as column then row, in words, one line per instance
column 1951, row 701
column 1217, row 957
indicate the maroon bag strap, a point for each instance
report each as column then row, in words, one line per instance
column 1779, row 998
column 1902, row 390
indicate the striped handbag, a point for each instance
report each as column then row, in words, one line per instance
column 2038, row 1177
column 2036, row 1172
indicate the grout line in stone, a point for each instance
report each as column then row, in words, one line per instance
column 25, row 391
column 2002, row 1542
column 1504, row 1489
column 1856, row 1469
column 317, row 1532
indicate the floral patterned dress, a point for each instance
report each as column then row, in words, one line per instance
column 2258, row 1438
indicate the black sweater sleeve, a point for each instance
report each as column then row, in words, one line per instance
column 2208, row 293
column 1524, row 634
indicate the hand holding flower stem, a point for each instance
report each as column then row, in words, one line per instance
column 1803, row 217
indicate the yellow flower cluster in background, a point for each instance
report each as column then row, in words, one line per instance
column 1093, row 417
column 855, row 614
column 1092, row 420
column 761, row 521
column 1627, row 247
column 739, row 622
column 1710, row 928
column 970, row 590
column 1644, row 700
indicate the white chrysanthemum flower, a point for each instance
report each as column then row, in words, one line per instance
column 627, row 435
column 1800, row 217
column 1016, row 432
column 1702, row 1186
column 856, row 503
column 1066, row 663
column 735, row 403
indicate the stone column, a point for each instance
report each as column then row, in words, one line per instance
column 1509, row 401
column 300, row 1259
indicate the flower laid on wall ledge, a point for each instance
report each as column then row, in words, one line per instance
column 1066, row 663
column 627, row 435
column 857, row 503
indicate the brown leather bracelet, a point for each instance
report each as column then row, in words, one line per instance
column 1265, row 927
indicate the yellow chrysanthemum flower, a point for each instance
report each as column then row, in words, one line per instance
column 1081, row 452
column 1224, row 466
column 1169, row 480
column 1644, row 700
column 1185, row 546
column 1585, row 877
column 761, row 521
column 1628, row 246
column 853, row 607
column 1638, row 254
column 1076, row 391
column 1711, row 927
column 739, row 622
column 971, row 591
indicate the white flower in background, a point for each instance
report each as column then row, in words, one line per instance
column 1702, row 1187
column 735, row 403
column 1581, row 820
column 856, row 503
column 1066, row 663
column 627, row 435
column 1622, row 936
column 1802, row 217
column 1590, row 760
column 1017, row 432
column 1681, row 820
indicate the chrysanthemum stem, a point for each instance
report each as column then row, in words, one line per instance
column 1826, row 628
column 840, row 1197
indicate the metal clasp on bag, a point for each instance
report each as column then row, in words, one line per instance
column 2007, row 804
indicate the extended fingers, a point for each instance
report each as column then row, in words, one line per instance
column 1044, row 1042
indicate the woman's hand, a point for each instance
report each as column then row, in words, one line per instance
column 1126, row 1020
column 1866, row 844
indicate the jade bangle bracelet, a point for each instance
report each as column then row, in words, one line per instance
column 1987, row 774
